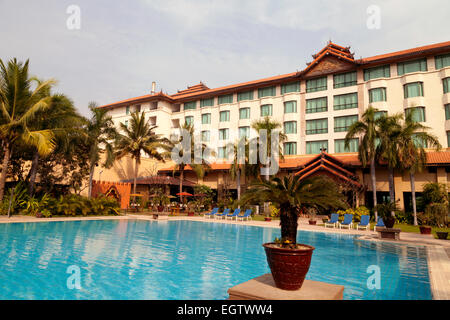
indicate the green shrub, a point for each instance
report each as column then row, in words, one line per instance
column 357, row 213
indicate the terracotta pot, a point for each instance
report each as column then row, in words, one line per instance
column 289, row 266
column 190, row 214
column 425, row 230
column 389, row 222
column 160, row 208
column 312, row 222
column 442, row 235
column 39, row 215
column 267, row 219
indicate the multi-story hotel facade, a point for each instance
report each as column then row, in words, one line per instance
column 315, row 106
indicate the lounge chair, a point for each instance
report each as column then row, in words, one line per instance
column 348, row 221
column 223, row 214
column 334, row 220
column 234, row 214
column 247, row 215
column 212, row 213
column 364, row 223
column 380, row 224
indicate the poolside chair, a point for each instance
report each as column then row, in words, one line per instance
column 211, row 214
column 234, row 214
column 380, row 224
column 364, row 223
column 348, row 221
column 247, row 215
column 223, row 214
column 334, row 220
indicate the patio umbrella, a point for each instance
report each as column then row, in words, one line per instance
column 184, row 194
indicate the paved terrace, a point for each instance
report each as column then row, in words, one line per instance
column 438, row 250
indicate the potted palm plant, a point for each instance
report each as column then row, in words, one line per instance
column 385, row 211
column 288, row 260
column 312, row 216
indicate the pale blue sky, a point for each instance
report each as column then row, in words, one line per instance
column 123, row 46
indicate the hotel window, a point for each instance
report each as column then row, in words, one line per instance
column 127, row 110
column 189, row 120
column 224, row 134
column 442, row 61
column 418, row 141
column 244, row 113
column 317, row 126
column 447, row 111
column 221, row 152
column 190, row 105
column 244, row 132
column 266, row 92
column 206, row 136
column 446, row 83
column 344, row 79
column 317, row 105
column 225, row 99
column 224, row 116
column 339, row 145
column 417, row 114
column 411, row 66
column 247, row 95
column 290, row 107
column 206, row 118
column 345, row 101
column 315, row 85
column 266, row 110
column 377, row 94
column 206, row 102
column 314, row 147
column 290, row 148
column 380, row 114
column 377, row 72
column 342, row 124
column 290, row 127
column 448, row 139
column 414, row 89
column 290, row 87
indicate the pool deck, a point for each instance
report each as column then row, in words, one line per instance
column 438, row 251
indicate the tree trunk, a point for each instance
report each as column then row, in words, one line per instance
column 391, row 187
column 181, row 182
column 33, row 172
column 289, row 224
column 136, row 172
column 238, row 183
column 413, row 196
column 374, row 187
column 6, row 157
column 91, row 177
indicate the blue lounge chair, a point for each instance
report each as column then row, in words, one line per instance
column 212, row 213
column 380, row 224
column 364, row 223
column 234, row 214
column 334, row 220
column 348, row 221
column 223, row 214
column 247, row 215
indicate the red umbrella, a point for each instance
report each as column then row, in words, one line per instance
column 184, row 194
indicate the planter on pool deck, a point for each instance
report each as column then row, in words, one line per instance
column 267, row 219
column 190, row 214
column 425, row 230
column 389, row 222
column 312, row 222
column 289, row 266
column 442, row 235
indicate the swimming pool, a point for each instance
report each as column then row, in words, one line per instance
column 137, row 259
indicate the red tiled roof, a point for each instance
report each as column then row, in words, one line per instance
column 161, row 180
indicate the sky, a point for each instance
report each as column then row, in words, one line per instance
column 121, row 47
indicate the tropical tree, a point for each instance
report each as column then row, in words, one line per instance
column 139, row 138
column 290, row 194
column 366, row 130
column 99, row 132
column 412, row 156
column 20, row 101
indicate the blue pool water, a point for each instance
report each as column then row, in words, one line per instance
column 133, row 259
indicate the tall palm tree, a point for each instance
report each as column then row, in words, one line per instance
column 412, row 156
column 99, row 133
column 199, row 168
column 366, row 130
column 239, row 166
column 20, row 101
column 291, row 194
column 139, row 138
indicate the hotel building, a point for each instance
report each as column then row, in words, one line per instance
column 315, row 106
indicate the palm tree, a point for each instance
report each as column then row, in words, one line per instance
column 199, row 168
column 99, row 132
column 366, row 130
column 239, row 165
column 291, row 194
column 139, row 138
column 412, row 156
column 19, row 104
